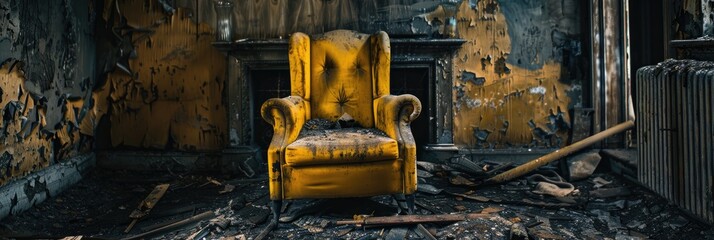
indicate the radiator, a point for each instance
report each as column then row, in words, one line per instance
column 675, row 114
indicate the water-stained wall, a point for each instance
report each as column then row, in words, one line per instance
column 46, row 74
column 162, row 80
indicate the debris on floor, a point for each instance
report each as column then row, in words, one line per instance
column 450, row 204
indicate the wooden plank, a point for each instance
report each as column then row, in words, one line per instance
column 147, row 204
column 413, row 219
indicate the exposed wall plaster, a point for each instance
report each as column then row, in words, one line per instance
column 45, row 51
column 523, row 56
column 173, row 97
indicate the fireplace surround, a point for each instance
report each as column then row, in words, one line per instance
column 258, row 69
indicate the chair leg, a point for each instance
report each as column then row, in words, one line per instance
column 276, row 205
column 410, row 203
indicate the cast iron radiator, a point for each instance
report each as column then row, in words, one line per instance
column 675, row 118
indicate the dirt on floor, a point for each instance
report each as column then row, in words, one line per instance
column 603, row 206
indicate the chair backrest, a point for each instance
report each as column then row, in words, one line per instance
column 347, row 71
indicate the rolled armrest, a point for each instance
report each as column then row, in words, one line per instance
column 391, row 111
column 287, row 115
column 392, row 115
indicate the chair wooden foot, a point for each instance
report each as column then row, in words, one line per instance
column 276, row 205
column 410, row 203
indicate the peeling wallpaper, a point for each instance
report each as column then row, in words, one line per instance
column 169, row 94
column 516, row 79
column 46, row 72
column 518, row 74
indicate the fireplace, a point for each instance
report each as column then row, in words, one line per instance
column 258, row 70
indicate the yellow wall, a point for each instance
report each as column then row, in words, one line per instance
column 25, row 148
column 506, row 108
column 173, row 101
column 174, row 98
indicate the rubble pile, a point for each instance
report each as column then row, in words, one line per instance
column 451, row 203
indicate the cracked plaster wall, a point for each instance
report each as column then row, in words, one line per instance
column 46, row 72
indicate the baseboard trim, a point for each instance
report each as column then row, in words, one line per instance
column 24, row 193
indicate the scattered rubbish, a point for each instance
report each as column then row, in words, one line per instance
column 343, row 232
column 552, row 185
column 610, row 192
column 423, row 232
column 472, row 197
column 583, row 165
column 460, row 208
column 600, row 182
column 146, row 205
column 551, row 189
column 615, row 210
column 621, row 236
column 397, row 233
column 424, row 174
column 72, row 238
column 199, row 217
column 678, row 222
column 346, row 121
column 312, row 224
column 430, row 189
column 412, row 219
column 227, row 188
column 545, row 204
column 636, row 225
column 458, row 180
column 543, row 160
column 632, row 203
column 264, row 233
column 465, row 164
column 612, row 222
column 433, row 167
column 518, row 232
column 497, row 169
column 201, row 233
column 609, row 206
column 303, row 209
column 490, row 210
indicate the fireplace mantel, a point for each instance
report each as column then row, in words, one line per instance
column 274, row 49
column 248, row 55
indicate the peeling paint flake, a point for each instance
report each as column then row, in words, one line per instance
column 540, row 90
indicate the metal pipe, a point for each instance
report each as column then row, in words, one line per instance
column 560, row 153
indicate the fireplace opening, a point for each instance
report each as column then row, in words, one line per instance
column 275, row 83
column 410, row 79
column 267, row 83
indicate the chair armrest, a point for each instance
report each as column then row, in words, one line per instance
column 287, row 115
column 392, row 115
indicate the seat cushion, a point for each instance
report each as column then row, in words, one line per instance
column 340, row 146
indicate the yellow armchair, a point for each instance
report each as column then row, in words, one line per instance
column 332, row 74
